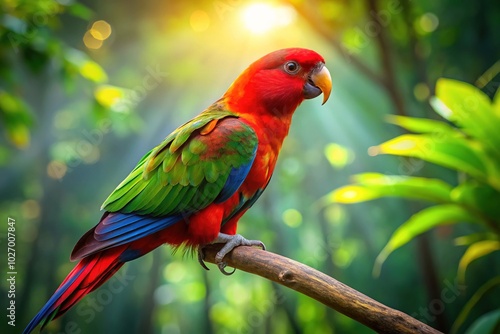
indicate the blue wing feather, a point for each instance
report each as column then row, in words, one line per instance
column 133, row 226
column 117, row 229
column 234, row 180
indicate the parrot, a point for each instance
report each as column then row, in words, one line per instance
column 191, row 189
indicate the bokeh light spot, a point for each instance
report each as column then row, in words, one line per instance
column 192, row 292
column 199, row 21
column 292, row 217
column 92, row 71
column 97, row 34
column 421, row 91
column 100, row 30
column 237, row 294
column 56, row 169
column 30, row 209
column 338, row 155
column 108, row 96
column 344, row 256
column 174, row 272
column 164, row 294
column 335, row 214
column 91, row 42
column 65, row 120
column 261, row 17
column 429, row 22
column 92, row 156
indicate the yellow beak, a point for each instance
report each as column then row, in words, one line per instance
column 323, row 81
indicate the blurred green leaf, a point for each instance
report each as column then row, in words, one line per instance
column 14, row 24
column 80, row 10
column 464, row 313
column 36, row 58
column 79, row 61
column 352, row 194
column 496, row 103
column 419, row 223
column 4, row 155
column 92, row 71
column 479, row 197
column 109, row 96
column 17, row 119
column 369, row 186
column 455, row 153
column 488, row 323
column 472, row 110
column 440, row 108
column 474, row 252
column 422, row 125
column 410, row 186
column 19, row 135
column 472, row 238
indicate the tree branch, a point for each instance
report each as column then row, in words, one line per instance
column 322, row 288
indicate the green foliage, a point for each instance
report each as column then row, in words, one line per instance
column 421, row 222
column 28, row 41
column 488, row 323
column 471, row 148
column 370, row 186
column 17, row 118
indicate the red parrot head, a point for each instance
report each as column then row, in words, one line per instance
column 280, row 81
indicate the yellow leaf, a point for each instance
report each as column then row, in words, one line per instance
column 474, row 252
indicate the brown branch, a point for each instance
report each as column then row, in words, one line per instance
column 322, row 288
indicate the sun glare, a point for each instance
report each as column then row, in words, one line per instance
column 260, row 17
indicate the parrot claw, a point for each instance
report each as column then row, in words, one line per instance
column 201, row 258
column 231, row 242
column 222, row 266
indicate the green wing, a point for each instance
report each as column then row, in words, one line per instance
column 203, row 161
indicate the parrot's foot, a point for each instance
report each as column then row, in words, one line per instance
column 231, row 242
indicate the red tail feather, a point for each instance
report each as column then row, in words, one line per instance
column 89, row 274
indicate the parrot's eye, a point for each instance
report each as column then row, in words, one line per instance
column 292, row 67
